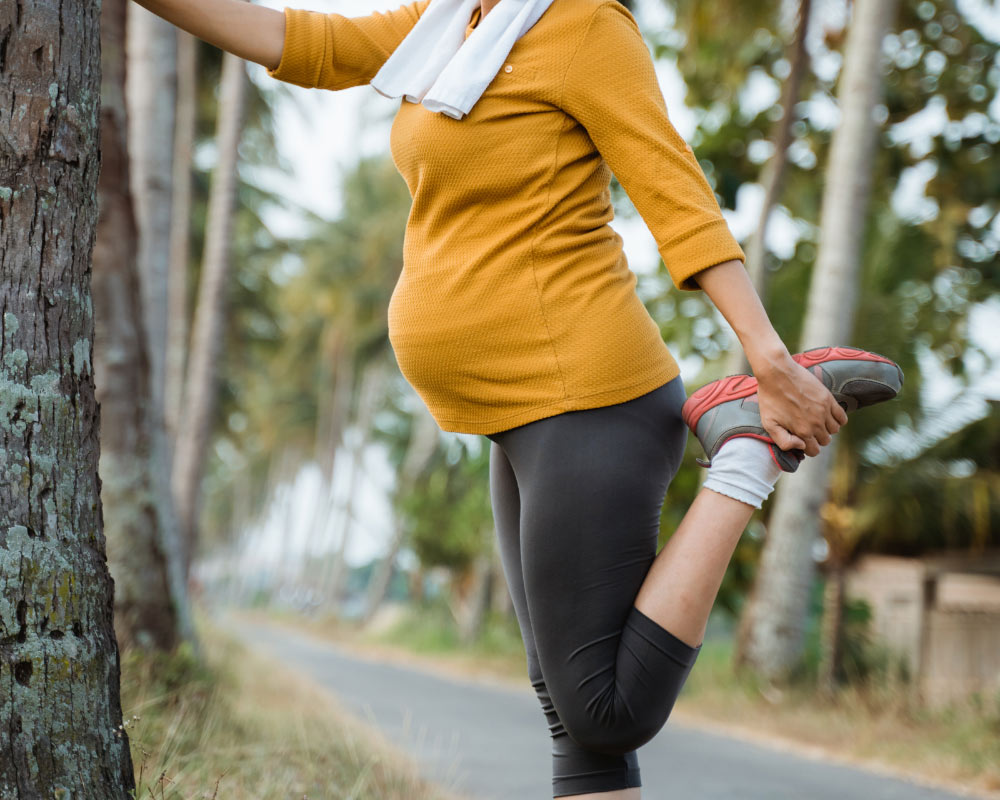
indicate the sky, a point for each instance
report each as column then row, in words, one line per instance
column 322, row 134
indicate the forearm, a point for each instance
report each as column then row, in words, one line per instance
column 246, row 30
column 729, row 288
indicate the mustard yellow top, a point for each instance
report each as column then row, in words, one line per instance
column 515, row 301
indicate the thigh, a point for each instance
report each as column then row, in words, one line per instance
column 591, row 490
column 575, row 770
column 506, row 503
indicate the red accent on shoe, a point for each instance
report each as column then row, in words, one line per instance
column 818, row 355
column 733, row 387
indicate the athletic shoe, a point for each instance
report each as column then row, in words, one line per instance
column 726, row 408
column 856, row 378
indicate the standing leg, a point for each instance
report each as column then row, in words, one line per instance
column 570, row 762
column 591, row 488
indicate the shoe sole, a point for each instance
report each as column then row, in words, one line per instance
column 734, row 387
column 816, row 355
column 865, row 390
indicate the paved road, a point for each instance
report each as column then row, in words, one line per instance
column 490, row 743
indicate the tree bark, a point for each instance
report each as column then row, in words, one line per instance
column 777, row 611
column 773, row 176
column 60, row 709
column 210, row 315
column 180, row 228
column 150, row 600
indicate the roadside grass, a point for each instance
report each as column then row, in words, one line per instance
column 873, row 722
column 238, row 726
column 426, row 635
column 867, row 721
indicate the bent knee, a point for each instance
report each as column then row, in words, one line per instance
column 617, row 737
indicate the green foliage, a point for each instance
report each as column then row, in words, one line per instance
column 863, row 661
column 448, row 510
column 430, row 628
column 949, row 497
column 921, row 275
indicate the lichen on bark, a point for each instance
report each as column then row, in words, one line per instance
column 60, row 711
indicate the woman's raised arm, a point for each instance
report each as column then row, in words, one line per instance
column 796, row 409
column 243, row 29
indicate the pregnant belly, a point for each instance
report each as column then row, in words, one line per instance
column 467, row 344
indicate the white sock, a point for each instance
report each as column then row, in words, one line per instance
column 744, row 470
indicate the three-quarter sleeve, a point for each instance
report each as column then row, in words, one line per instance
column 611, row 89
column 331, row 51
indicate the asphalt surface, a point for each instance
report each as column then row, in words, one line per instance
column 491, row 743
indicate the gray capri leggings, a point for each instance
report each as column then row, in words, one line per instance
column 577, row 500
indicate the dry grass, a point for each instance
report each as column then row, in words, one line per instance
column 872, row 725
column 239, row 727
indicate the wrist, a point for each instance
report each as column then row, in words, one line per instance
column 767, row 357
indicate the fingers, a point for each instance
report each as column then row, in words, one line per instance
column 836, row 416
column 785, row 439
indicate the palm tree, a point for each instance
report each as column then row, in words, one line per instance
column 200, row 386
column 151, row 606
column 774, row 171
column 151, row 77
column 61, row 713
column 421, row 442
column 180, row 227
column 774, row 621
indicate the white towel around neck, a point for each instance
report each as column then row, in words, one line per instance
column 437, row 66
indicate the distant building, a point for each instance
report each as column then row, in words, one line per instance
column 941, row 615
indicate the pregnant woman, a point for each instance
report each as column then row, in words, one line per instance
column 515, row 317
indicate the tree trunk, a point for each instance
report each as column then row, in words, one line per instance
column 773, row 176
column 150, row 87
column 150, row 601
column 779, row 605
column 470, row 598
column 332, row 413
column 209, row 320
column 371, row 388
column 60, row 709
column 180, row 228
column 421, row 447
column 830, row 629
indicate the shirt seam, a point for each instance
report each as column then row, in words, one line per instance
column 579, row 47
column 548, row 194
column 534, row 270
